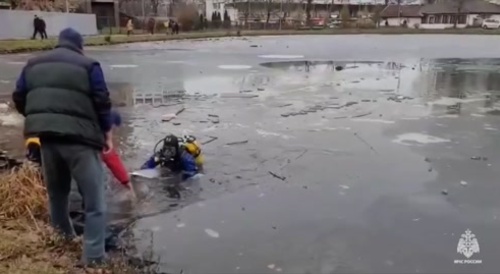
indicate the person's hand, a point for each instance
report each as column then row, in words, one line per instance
column 109, row 146
column 109, row 143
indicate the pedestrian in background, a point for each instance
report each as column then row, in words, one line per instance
column 176, row 28
column 130, row 26
column 68, row 108
column 37, row 27
column 166, row 24
column 43, row 29
column 151, row 25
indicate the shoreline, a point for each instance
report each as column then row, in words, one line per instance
column 24, row 46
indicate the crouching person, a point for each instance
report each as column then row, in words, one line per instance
column 65, row 101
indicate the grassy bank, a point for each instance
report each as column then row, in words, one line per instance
column 18, row 46
column 28, row 244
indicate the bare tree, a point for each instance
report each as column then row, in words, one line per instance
column 285, row 10
column 345, row 16
column 154, row 6
column 46, row 5
column 376, row 15
column 269, row 7
column 247, row 13
column 14, row 4
column 308, row 12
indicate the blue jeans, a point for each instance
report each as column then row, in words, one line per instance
column 77, row 215
column 60, row 163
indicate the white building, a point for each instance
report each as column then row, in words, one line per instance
column 220, row 6
column 401, row 15
column 443, row 14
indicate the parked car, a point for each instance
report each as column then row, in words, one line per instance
column 335, row 24
column 490, row 24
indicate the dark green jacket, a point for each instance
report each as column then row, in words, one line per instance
column 58, row 102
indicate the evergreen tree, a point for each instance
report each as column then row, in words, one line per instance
column 213, row 22
column 345, row 16
column 227, row 19
column 218, row 20
column 201, row 23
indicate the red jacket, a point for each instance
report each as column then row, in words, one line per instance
column 116, row 166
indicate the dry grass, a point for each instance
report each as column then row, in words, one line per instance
column 28, row 244
column 23, row 195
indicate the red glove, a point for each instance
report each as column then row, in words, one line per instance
column 115, row 164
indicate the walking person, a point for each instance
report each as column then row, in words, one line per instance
column 176, row 28
column 166, row 24
column 43, row 29
column 130, row 27
column 151, row 25
column 37, row 27
column 68, row 108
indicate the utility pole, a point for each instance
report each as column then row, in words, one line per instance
column 67, row 6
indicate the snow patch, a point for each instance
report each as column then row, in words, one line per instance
column 279, row 56
column 123, row 66
column 373, row 121
column 155, row 228
column 212, row 233
column 448, row 116
column 16, row 63
column 11, row 119
column 234, row 67
column 449, row 101
column 414, row 137
column 274, row 134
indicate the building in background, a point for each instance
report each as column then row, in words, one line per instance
column 221, row 6
column 106, row 11
column 401, row 15
column 5, row 5
column 470, row 13
column 440, row 14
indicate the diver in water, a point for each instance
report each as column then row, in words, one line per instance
column 176, row 159
column 177, row 155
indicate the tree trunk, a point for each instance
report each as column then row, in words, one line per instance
column 460, row 4
column 308, row 12
column 154, row 6
column 268, row 9
column 247, row 13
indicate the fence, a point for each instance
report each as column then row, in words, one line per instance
column 19, row 24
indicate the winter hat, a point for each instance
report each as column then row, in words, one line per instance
column 72, row 36
column 116, row 118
